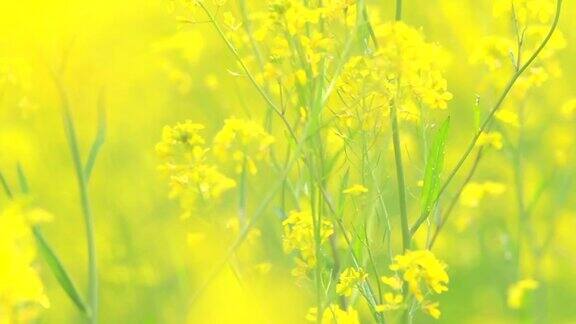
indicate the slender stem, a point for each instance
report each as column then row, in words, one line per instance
column 398, row 155
column 247, row 71
column 85, row 204
column 5, row 186
column 450, row 208
column 400, row 175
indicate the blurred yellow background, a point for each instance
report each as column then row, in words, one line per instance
column 153, row 71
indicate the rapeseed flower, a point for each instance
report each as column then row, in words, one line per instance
column 244, row 142
column 350, row 278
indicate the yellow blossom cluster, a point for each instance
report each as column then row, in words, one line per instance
column 299, row 236
column 334, row 315
column 349, row 278
column 474, row 192
column 192, row 178
column 490, row 139
column 404, row 70
column 244, row 142
column 423, row 273
column 502, row 54
column 518, row 290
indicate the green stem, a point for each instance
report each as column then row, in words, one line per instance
column 400, row 175
column 5, row 186
column 494, row 109
column 450, row 208
column 260, row 90
column 398, row 10
column 85, row 204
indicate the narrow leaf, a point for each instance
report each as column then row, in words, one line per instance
column 58, row 270
column 5, row 186
column 431, row 187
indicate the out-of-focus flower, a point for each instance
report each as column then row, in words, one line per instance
column 392, row 301
column 423, row 274
column 518, row 290
column 349, row 278
column 355, row 190
column 244, row 142
column 474, row 192
column 298, row 235
column 492, row 139
column 334, row 315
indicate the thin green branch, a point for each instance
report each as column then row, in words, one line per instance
column 5, row 186
column 496, row 107
column 455, row 199
column 398, row 16
column 400, row 175
column 246, row 70
column 84, row 201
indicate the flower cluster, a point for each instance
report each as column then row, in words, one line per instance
column 404, row 68
column 474, row 192
column 423, row 274
column 299, row 236
column 518, row 290
column 244, row 142
column 192, row 178
column 334, row 315
column 530, row 20
column 349, row 278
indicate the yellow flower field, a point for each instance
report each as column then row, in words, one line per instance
column 287, row 161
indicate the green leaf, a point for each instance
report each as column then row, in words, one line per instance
column 58, row 270
column 431, row 187
column 363, row 27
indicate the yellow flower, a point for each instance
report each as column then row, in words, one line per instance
column 410, row 63
column 334, row 315
column 493, row 139
column 508, row 117
column 349, row 278
column 432, row 310
column 492, row 51
column 181, row 137
column 474, row 192
column 421, row 269
column 393, row 282
column 242, row 141
column 518, row 290
column 192, row 177
column 298, row 235
column 391, row 302
column 356, row 190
